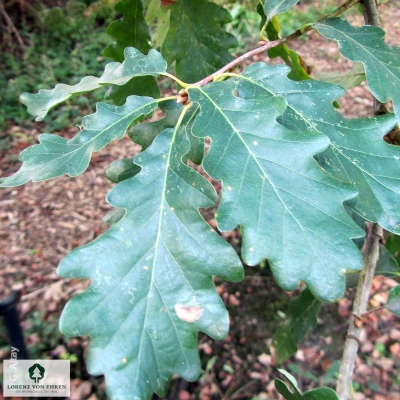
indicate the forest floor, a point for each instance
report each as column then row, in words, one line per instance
column 42, row 222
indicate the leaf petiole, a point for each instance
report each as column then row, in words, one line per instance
column 177, row 80
column 221, row 77
column 166, row 99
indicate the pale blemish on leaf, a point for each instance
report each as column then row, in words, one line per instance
column 188, row 313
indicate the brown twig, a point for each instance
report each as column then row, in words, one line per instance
column 345, row 6
column 11, row 25
column 370, row 257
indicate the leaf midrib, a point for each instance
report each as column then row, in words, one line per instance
column 266, row 176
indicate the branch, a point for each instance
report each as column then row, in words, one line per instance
column 345, row 6
column 12, row 26
column 370, row 257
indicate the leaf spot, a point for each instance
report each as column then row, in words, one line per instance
column 124, row 360
column 188, row 313
column 229, row 188
column 146, row 267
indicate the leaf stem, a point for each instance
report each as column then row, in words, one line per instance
column 345, row 6
column 262, row 36
column 226, row 74
column 167, row 98
column 183, row 84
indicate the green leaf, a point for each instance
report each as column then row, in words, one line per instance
column 303, row 310
column 282, row 388
column 135, row 64
column 352, row 78
column 145, row 133
column 129, row 31
column 163, row 22
column 55, row 156
column 140, row 86
column 112, row 217
column 321, row 394
column 40, row 103
column 386, row 264
column 288, row 207
column 196, row 39
column 154, row 269
column 314, row 394
column 366, row 44
column 285, row 392
column 393, row 245
column 291, row 58
column 284, row 343
column 163, row 15
column 357, row 154
column 274, row 7
column 119, row 170
column 393, row 303
column 153, row 10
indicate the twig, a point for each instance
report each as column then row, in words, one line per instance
column 12, row 26
column 370, row 256
column 43, row 289
column 345, row 6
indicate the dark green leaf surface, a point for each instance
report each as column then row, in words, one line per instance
column 283, row 390
column 140, row 86
column 366, row 44
column 274, row 7
column 119, row 170
column 112, row 217
column 196, row 40
column 393, row 245
column 393, row 303
column 40, row 103
column 55, row 156
column 303, row 310
column 135, row 65
column 321, row 394
column 129, row 31
column 357, row 153
column 290, row 210
column 154, row 270
column 145, row 133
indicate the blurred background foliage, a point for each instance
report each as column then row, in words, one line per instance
column 45, row 42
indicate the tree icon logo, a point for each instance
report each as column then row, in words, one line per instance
column 36, row 372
